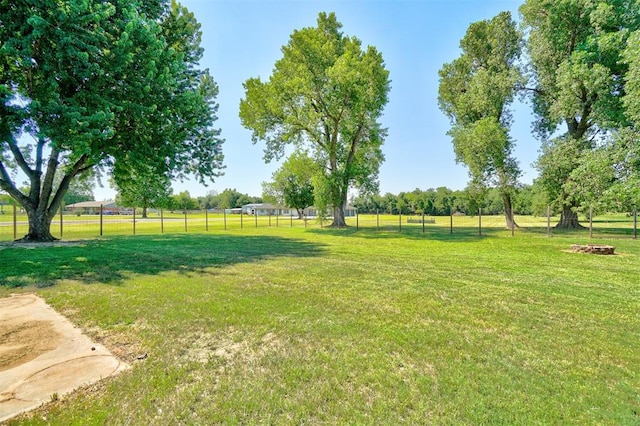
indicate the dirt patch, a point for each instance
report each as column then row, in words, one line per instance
column 43, row 355
column 22, row 342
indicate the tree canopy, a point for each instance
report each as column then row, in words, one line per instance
column 113, row 85
column 144, row 188
column 326, row 94
column 579, row 80
column 292, row 184
column 475, row 92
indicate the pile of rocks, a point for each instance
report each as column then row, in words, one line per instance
column 592, row 248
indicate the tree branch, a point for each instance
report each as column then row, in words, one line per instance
column 535, row 90
column 9, row 186
column 36, row 179
column 77, row 168
column 354, row 143
column 47, row 183
column 17, row 154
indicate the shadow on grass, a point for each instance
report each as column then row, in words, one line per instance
column 431, row 232
column 112, row 260
column 599, row 232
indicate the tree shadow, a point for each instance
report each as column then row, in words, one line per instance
column 599, row 232
column 110, row 261
column 435, row 233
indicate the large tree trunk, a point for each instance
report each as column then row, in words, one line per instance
column 339, row 202
column 144, row 213
column 508, row 211
column 39, row 226
column 338, row 217
column 568, row 219
column 299, row 211
column 41, row 202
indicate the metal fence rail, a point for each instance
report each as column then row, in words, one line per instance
column 14, row 223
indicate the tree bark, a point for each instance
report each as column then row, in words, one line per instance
column 338, row 217
column 39, row 226
column 508, row 211
column 568, row 219
column 144, row 213
column 299, row 211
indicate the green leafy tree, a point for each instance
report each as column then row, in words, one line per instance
column 183, row 201
column 475, row 92
column 590, row 181
column 5, row 200
column 624, row 146
column 209, row 201
column 443, row 201
column 80, row 189
column 292, row 184
column 144, row 188
column 230, row 198
column 368, row 203
column 523, row 203
column 575, row 49
column 325, row 95
column 112, row 85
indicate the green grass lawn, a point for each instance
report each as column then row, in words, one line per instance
column 295, row 325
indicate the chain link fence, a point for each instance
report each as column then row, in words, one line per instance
column 14, row 223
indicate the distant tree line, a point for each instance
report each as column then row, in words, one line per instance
column 227, row 199
column 443, row 201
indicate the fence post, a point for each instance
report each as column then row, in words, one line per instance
column 134, row 221
column 255, row 213
column 377, row 219
column 450, row 220
column 548, row 221
column 241, row 220
column 61, row 207
column 15, row 220
column 185, row 220
column 399, row 221
column 101, row 219
column 423, row 222
column 305, row 220
column 480, row 221
column 635, row 223
column 277, row 219
column 591, row 222
column 291, row 220
column 206, row 220
column 161, row 221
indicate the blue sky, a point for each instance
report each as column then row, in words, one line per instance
column 242, row 39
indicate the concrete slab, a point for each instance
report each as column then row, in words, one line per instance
column 43, row 355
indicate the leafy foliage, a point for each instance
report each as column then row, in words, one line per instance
column 326, row 94
column 80, row 189
column 576, row 56
column 292, row 184
column 144, row 188
column 113, row 85
column 183, row 201
column 475, row 91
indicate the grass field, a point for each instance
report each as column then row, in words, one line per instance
column 293, row 325
column 91, row 226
